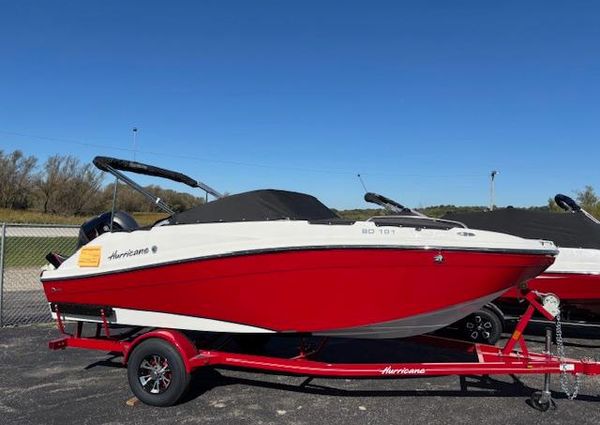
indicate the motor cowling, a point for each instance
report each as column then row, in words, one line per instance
column 91, row 229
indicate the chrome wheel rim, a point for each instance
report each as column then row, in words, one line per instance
column 478, row 326
column 154, row 374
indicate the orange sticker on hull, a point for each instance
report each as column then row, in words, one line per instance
column 89, row 256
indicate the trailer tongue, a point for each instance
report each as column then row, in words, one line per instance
column 160, row 361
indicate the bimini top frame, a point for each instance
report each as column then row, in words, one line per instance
column 114, row 166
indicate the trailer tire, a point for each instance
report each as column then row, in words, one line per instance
column 156, row 373
column 482, row 326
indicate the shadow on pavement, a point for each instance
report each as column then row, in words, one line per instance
column 470, row 387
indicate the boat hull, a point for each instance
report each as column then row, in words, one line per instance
column 578, row 292
column 342, row 291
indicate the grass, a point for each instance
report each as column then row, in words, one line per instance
column 31, row 251
column 146, row 218
column 36, row 217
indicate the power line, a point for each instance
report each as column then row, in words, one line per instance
column 229, row 162
column 168, row 154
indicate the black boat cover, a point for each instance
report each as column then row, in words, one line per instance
column 567, row 230
column 257, row 205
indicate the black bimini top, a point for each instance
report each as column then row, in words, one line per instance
column 257, row 205
column 567, row 230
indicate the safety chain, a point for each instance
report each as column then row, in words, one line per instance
column 571, row 393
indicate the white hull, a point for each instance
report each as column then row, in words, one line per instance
column 168, row 244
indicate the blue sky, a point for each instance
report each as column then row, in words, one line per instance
column 424, row 99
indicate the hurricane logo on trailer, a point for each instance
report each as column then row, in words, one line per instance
column 402, row 371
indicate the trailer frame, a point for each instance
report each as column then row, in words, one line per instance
column 490, row 359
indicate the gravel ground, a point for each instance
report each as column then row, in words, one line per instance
column 89, row 387
column 41, row 231
column 23, row 307
column 23, row 299
column 22, row 279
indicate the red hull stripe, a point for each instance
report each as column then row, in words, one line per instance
column 301, row 248
column 306, row 291
column 580, row 291
column 566, row 285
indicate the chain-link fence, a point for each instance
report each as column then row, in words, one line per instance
column 23, row 248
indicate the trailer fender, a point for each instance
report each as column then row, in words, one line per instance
column 184, row 346
column 498, row 312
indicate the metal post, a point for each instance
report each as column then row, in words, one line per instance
column 134, row 140
column 2, row 238
column 546, row 394
column 492, row 189
column 114, row 204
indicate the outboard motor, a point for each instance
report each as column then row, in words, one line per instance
column 122, row 222
column 91, row 229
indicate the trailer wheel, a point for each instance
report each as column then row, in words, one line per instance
column 156, row 373
column 483, row 326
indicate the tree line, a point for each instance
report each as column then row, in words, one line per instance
column 586, row 198
column 64, row 185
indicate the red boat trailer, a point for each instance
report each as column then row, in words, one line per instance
column 160, row 361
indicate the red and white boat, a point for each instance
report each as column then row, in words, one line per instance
column 575, row 275
column 272, row 261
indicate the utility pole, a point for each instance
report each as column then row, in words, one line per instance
column 134, row 130
column 493, row 175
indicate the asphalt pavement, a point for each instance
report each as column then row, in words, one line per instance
column 39, row 386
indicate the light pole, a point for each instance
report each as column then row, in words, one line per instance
column 134, row 130
column 493, row 175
